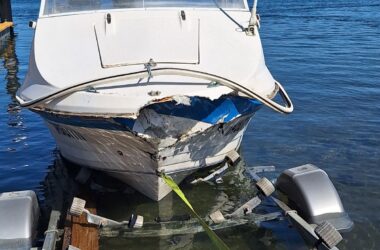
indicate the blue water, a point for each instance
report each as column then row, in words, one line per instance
column 326, row 54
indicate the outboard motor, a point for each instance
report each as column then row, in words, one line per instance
column 311, row 192
column 19, row 213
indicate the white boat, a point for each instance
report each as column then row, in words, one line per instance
column 138, row 87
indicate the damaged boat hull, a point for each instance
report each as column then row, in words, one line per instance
column 136, row 158
column 165, row 87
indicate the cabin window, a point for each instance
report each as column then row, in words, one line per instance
column 66, row 6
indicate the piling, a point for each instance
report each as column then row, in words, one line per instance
column 6, row 19
column 5, row 11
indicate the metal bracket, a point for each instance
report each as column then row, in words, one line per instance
column 246, row 208
column 250, row 31
column 148, row 66
column 52, row 233
column 92, row 89
column 253, row 21
column 78, row 207
column 216, row 176
column 32, row 24
column 254, row 24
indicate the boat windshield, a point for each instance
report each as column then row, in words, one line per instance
column 64, row 6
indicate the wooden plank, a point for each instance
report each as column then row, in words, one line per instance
column 5, row 25
column 79, row 233
column 66, row 241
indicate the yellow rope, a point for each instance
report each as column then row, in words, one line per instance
column 211, row 234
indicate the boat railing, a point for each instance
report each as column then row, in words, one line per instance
column 286, row 108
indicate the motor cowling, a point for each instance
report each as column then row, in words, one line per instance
column 309, row 190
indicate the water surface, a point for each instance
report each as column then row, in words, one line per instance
column 326, row 54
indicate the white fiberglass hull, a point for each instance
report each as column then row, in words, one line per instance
column 148, row 90
column 136, row 161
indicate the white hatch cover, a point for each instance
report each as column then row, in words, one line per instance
column 135, row 41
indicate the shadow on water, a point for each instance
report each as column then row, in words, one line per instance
column 10, row 64
column 19, row 170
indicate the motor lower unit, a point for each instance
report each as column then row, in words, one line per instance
column 310, row 191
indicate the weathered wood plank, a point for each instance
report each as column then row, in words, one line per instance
column 79, row 233
column 66, row 240
column 5, row 25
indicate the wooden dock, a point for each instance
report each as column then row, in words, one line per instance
column 79, row 233
column 5, row 25
column 5, row 30
column 6, row 20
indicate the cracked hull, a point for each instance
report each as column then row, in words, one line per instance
column 165, row 137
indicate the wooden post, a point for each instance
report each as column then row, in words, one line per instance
column 79, row 233
column 5, row 11
column 6, row 19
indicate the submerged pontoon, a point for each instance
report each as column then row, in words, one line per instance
column 135, row 88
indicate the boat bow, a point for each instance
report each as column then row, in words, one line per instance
column 99, row 49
